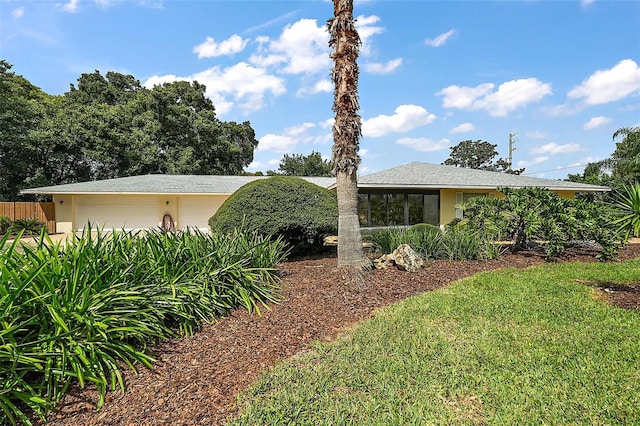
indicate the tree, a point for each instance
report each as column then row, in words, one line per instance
column 111, row 127
column 305, row 165
column 621, row 169
column 625, row 160
column 18, row 118
column 478, row 155
column 347, row 130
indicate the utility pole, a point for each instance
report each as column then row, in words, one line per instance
column 512, row 142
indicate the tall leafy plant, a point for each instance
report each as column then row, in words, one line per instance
column 531, row 216
column 627, row 210
column 82, row 311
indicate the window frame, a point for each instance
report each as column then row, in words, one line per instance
column 366, row 212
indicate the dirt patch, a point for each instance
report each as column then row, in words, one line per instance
column 623, row 296
column 197, row 378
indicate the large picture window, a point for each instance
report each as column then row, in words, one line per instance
column 398, row 208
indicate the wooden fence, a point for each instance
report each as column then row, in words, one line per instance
column 44, row 212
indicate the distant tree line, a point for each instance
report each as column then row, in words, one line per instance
column 111, row 126
column 622, row 168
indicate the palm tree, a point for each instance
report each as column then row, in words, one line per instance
column 347, row 130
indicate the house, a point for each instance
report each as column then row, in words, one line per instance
column 146, row 201
column 404, row 195
column 428, row 193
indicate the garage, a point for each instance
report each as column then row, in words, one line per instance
column 130, row 212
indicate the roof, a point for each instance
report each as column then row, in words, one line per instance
column 409, row 176
column 424, row 175
column 163, row 184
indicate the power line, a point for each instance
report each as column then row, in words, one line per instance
column 553, row 170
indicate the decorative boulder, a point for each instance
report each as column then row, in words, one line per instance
column 384, row 262
column 407, row 259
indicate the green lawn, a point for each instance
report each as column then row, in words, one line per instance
column 509, row 347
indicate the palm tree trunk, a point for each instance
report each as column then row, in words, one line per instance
column 347, row 130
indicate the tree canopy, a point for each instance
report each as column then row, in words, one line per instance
column 479, row 155
column 621, row 168
column 304, row 165
column 111, row 126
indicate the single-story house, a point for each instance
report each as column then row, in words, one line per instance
column 404, row 195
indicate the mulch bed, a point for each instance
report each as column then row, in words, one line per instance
column 196, row 379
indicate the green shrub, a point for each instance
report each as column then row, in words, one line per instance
column 462, row 242
column 458, row 242
column 386, row 240
column 28, row 226
column 5, row 224
column 84, row 311
column 530, row 216
column 627, row 210
column 299, row 212
column 428, row 240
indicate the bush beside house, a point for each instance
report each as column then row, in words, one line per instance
column 281, row 206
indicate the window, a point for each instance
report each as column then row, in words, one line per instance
column 398, row 208
column 463, row 198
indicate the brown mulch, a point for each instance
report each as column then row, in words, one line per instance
column 196, row 379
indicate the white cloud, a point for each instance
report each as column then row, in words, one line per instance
column 586, row 3
column 406, row 118
column 271, row 22
column 365, row 25
column 554, row 149
column 439, row 40
column 239, row 86
column 596, row 122
column 328, row 123
column 277, row 143
column 255, row 165
column 463, row 97
column 463, row 128
column 383, row 68
column 210, row 48
column 71, row 6
column 424, row 144
column 535, row 134
column 509, row 96
column 286, row 142
column 609, row 85
column 18, row 12
column 322, row 86
column 532, row 162
column 301, row 48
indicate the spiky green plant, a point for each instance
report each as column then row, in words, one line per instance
column 627, row 206
column 76, row 312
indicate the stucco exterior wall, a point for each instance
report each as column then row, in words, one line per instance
column 448, row 201
column 64, row 213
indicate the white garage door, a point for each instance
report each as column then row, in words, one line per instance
column 195, row 211
column 117, row 212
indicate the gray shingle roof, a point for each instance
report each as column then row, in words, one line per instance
column 409, row 176
column 163, row 184
column 425, row 175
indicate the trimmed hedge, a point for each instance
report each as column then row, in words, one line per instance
column 299, row 212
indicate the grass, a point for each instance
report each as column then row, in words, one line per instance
column 514, row 346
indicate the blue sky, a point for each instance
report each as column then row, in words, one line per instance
column 562, row 75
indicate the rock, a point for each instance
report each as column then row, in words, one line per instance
column 407, row 259
column 384, row 262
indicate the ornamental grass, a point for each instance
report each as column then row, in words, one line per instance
column 75, row 313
